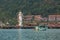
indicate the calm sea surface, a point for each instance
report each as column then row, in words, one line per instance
column 29, row 34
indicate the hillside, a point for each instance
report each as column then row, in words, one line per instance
column 9, row 8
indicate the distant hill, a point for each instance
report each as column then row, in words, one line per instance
column 9, row 8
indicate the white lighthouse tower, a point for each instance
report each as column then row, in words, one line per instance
column 20, row 15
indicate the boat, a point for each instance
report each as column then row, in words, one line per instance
column 41, row 27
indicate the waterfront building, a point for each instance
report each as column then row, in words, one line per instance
column 37, row 17
column 32, row 20
column 28, row 17
column 51, row 24
column 58, row 24
column 58, row 17
column 54, row 17
column 51, row 17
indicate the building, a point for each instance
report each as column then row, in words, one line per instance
column 58, row 24
column 37, row 17
column 54, row 17
column 27, row 20
column 57, row 17
column 31, row 20
column 54, row 20
column 51, row 18
column 51, row 24
column 28, row 17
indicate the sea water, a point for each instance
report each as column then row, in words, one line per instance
column 29, row 34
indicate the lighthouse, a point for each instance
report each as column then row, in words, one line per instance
column 20, row 21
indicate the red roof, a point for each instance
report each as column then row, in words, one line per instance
column 51, row 24
column 28, row 17
column 37, row 17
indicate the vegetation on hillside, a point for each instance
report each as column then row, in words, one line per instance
column 10, row 8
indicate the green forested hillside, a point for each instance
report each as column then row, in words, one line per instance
column 9, row 8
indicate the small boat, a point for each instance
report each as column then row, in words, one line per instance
column 41, row 27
